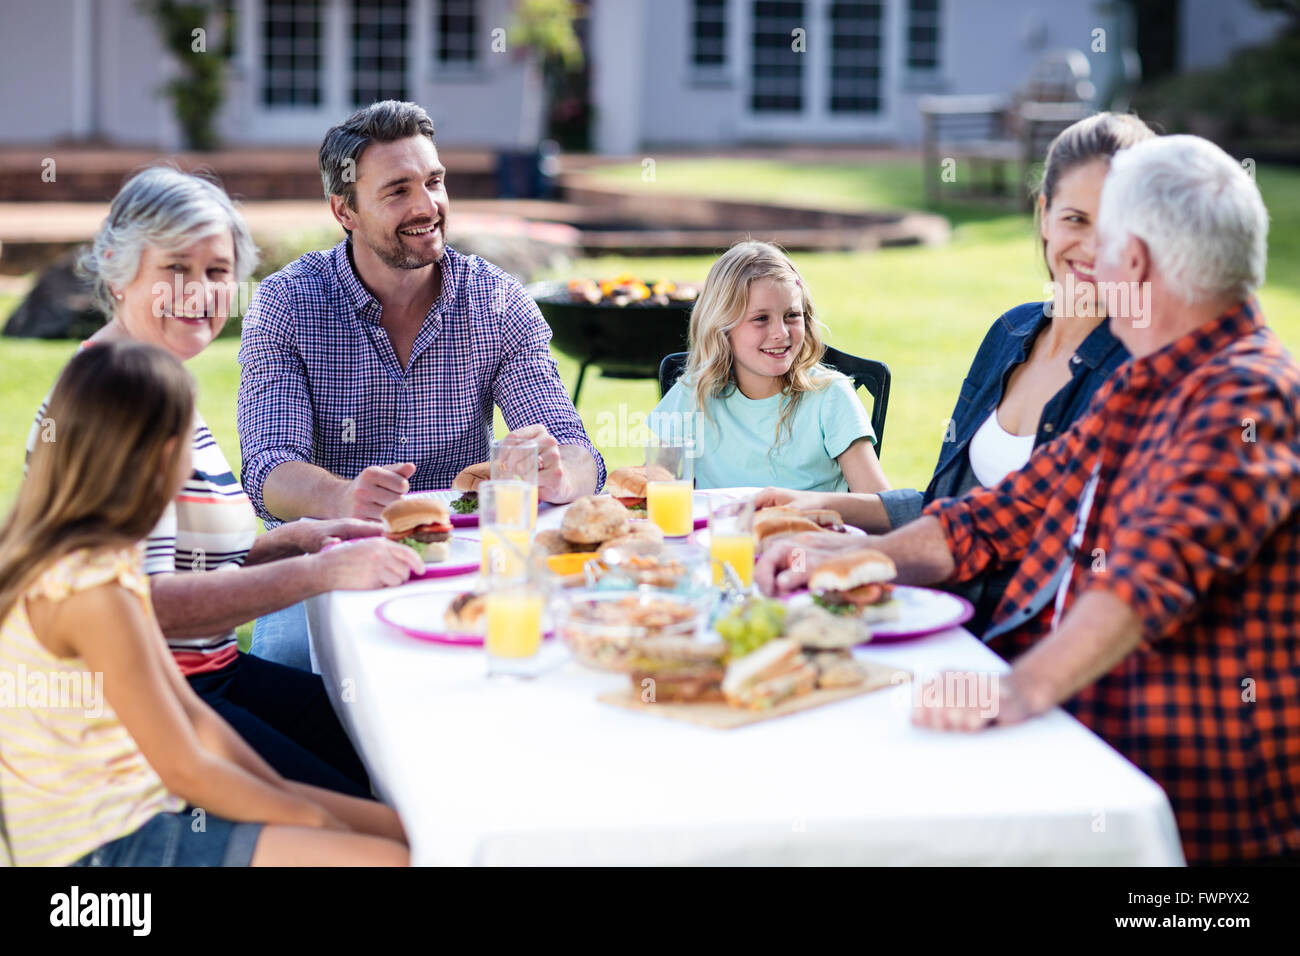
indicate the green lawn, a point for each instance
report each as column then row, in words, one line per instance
column 921, row 310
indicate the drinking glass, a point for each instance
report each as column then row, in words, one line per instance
column 505, row 527
column 731, row 539
column 515, row 459
column 670, row 483
column 515, row 607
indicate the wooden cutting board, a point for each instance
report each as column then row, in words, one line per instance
column 724, row 717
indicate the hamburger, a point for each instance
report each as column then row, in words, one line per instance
column 467, row 483
column 642, row 537
column 593, row 519
column 764, row 678
column 465, row 614
column 627, row 485
column 677, row 670
column 774, row 522
column 858, row 584
column 422, row 524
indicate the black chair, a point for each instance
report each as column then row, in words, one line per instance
column 865, row 373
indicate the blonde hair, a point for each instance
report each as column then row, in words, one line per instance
column 96, row 484
column 722, row 303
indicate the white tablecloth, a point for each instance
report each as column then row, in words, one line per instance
column 483, row 772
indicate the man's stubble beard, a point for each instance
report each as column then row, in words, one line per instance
column 396, row 256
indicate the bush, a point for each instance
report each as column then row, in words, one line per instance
column 1253, row 101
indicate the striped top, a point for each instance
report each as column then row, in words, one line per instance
column 208, row 527
column 71, row 776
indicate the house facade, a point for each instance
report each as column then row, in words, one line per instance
column 704, row 73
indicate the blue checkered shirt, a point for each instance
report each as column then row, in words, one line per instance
column 321, row 383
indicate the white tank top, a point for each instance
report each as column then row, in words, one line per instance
column 995, row 452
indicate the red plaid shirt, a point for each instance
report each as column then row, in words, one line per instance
column 1196, row 527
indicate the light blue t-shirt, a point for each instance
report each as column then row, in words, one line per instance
column 735, row 448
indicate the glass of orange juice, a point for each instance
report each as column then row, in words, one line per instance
column 505, row 527
column 731, row 540
column 515, row 609
column 515, row 459
column 670, row 484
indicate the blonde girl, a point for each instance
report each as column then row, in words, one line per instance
column 765, row 411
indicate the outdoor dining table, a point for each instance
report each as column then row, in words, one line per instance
column 485, row 771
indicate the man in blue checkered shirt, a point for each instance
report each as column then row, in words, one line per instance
column 371, row 369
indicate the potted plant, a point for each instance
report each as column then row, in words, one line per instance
column 198, row 89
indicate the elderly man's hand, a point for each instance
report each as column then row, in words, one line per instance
column 967, row 700
column 787, row 561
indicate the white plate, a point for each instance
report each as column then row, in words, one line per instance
column 923, row 611
column 420, row 615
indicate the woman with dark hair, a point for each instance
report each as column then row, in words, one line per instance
column 1038, row 366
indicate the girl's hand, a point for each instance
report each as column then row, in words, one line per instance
column 367, row 564
column 777, row 497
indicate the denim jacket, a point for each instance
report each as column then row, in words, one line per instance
column 1006, row 346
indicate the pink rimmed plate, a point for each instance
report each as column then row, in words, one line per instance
column 420, row 616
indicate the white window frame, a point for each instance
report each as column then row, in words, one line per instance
column 930, row 79
column 286, row 124
column 456, row 70
column 724, row 74
column 816, row 121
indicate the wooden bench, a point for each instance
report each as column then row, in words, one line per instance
column 995, row 131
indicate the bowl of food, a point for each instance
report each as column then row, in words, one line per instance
column 605, row 629
column 680, row 567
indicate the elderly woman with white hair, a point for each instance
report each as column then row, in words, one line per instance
column 164, row 266
column 1158, row 591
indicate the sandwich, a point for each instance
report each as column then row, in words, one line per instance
column 591, row 520
column 677, row 669
column 773, row 522
column 859, row 583
column 422, row 523
column 467, row 483
column 817, row 629
column 838, row 669
column 465, row 614
column 627, row 485
column 775, row 672
column 642, row 537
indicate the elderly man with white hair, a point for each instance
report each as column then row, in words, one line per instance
column 1158, row 593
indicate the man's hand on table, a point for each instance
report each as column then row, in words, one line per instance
column 787, row 561
column 369, row 493
column 556, row 480
column 952, row 700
